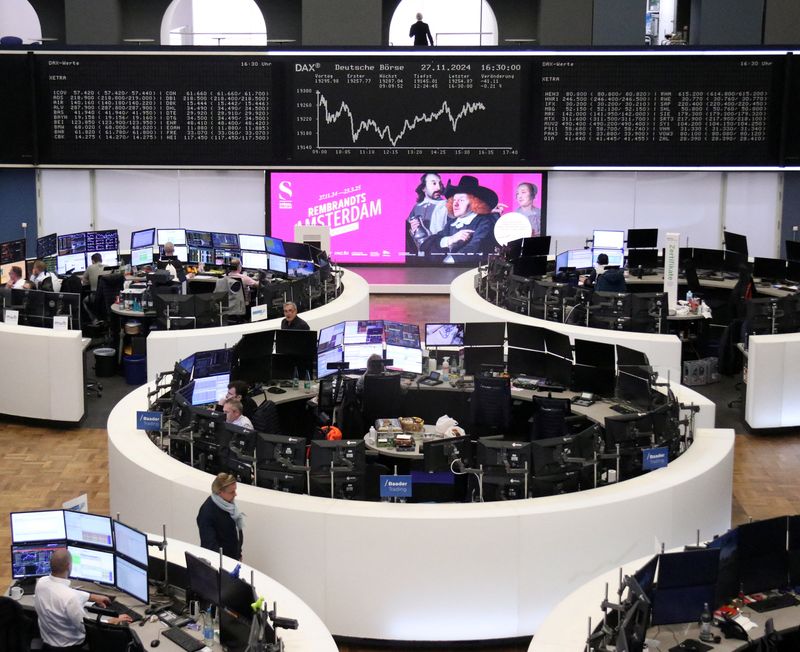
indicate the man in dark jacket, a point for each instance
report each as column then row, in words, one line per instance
column 421, row 33
column 609, row 279
column 219, row 520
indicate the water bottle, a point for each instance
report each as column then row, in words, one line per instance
column 307, row 383
column 705, row 624
column 446, row 369
column 689, row 296
column 235, row 571
column 373, row 435
column 295, row 379
column 208, row 628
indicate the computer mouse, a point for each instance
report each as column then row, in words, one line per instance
column 276, row 390
column 155, row 642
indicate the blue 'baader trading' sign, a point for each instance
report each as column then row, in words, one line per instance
column 396, row 486
column 148, row 420
column 654, row 458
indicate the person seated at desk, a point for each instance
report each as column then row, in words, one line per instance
column 238, row 390
column 233, row 414
column 59, row 607
column 291, row 320
column 170, row 262
column 237, row 272
column 93, row 272
column 15, row 280
column 609, row 279
column 374, row 368
column 40, row 274
column 219, row 520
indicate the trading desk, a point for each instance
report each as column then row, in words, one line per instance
column 447, row 572
column 311, row 635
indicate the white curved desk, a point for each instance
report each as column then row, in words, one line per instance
column 164, row 348
column 46, row 369
column 431, row 572
column 663, row 351
column 310, row 636
column 773, row 378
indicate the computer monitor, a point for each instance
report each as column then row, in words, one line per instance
column 47, row 246
column 251, row 346
column 276, row 246
column 197, row 255
column 728, row 568
column 594, row 354
column 628, row 430
column 401, row 334
column 91, row 565
column 277, row 263
column 449, row 334
column 490, row 333
column 792, row 250
column 224, row 240
column 330, row 337
column 358, row 354
column 329, row 356
column 642, row 238
column 252, row 242
column 441, row 454
column 733, row 261
column 645, row 258
column 212, row 363
column 88, row 529
column 646, row 576
column 143, row 238
column 686, row 582
column 105, row 240
column 502, row 453
column 530, row 266
column 132, row 579
column 175, row 236
column 278, row 451
column 181, row 253
column 293, row 482
column 558, row 370
column 296, row 250
column 235, row 614
column 631, row 357
column 142, row 256
column 523, row 336
column 70, row 263
column 210, row 389
column 602, row 239
column 633, row 386
column 709, row 259
column 30, row 560
column 772, row 269
column 130, row 543
column 793, row 271
column 72, row 243
column 555, row 455
column 524, row 362
column 342, row 454
column 254, row 260
column 616, row 257
column 224, row 256
column 763, row 557
column 199, row 239
column 475, row 357
column 534, row 246
column 202, row 579
column 405, row 358
column 299, row 268
column 363, row 332
column 735, row 242
column 44, row 525
column 110, row 258
column 558, row 344
column 296, row 342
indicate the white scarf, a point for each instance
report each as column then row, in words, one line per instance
column 231, row 508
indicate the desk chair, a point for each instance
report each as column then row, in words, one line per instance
column 381, row 397
column 490, row 406
column 15, row 627
column 102, row 637
column 236, row 308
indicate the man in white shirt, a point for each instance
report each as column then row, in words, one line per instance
column 233, row 414
column 59, row 607
column 15, row 280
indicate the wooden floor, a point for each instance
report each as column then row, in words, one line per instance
column 40, row 467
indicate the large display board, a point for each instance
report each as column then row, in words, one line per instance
column 156, row 109
column 392, row 110
column 529, row 109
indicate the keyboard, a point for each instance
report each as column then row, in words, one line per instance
column 183, row 640
column 622, row 409
column 116, row 605
column 408, row 375
column 773, row 602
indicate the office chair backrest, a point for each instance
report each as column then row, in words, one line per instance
column 491, row 403
column 235, row 290
column 15, row 627
column 102, row 637
column 71, row 284
column 10, row 41
column 381, row 397
column 46, row 284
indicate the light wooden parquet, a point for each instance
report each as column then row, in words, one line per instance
column 42, row 467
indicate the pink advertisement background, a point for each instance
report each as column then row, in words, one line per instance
column 370, row 226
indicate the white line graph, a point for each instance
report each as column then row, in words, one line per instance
column 326, row 117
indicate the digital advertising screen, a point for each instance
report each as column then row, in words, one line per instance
column 404, row 217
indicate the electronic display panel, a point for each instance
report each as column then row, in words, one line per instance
column 299, row 268
column 130, row 543
column 275, row 245
column 401, row 334
column 198, row 238
column 224, row 240
column 181, row 252
column 70, row 263
column 252, row 242
column 255, row 260
column 72, row 243
column 370, row 214
column 175, row 236
column 329, row 355
column 143, row 256
column 16, row 116
column 277, row 263
column 132, row 579
column 357, row 354
column 363, row 332
column 444, row 335
column 608, row 239
column 92, row 565
column 330, row 337
column 143, row 238
column 404, row 358
column 173, row 110
column 12, row 252
column 47, row 246
column 45, row 525
column 90, row 529
column 110, row 258
column 107, row 240
column 210, row 389
column 32, row 559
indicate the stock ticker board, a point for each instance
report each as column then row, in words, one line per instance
column 155, row 109
column 394, row 110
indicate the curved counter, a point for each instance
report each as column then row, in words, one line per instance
column 663, row 351
column 310, row 636
column 431, row 572
column 164, row 348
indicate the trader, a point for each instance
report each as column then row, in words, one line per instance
column 219, row 520
column 15, row 280
column 93, row 272
column 40, row 273
column 290, row 319
column 169, row 261
column 238, row 390
column 59, row 607
column 233, row 414
column 609, row 279
column 421, row 33
column 238, row 272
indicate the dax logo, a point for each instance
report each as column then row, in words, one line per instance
column 306, row 67
column 285, row 194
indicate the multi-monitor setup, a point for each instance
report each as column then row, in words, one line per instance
column 12, row 254
column 39, row 308
column 674, row 588
column 72, row 252
column 103, row 550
